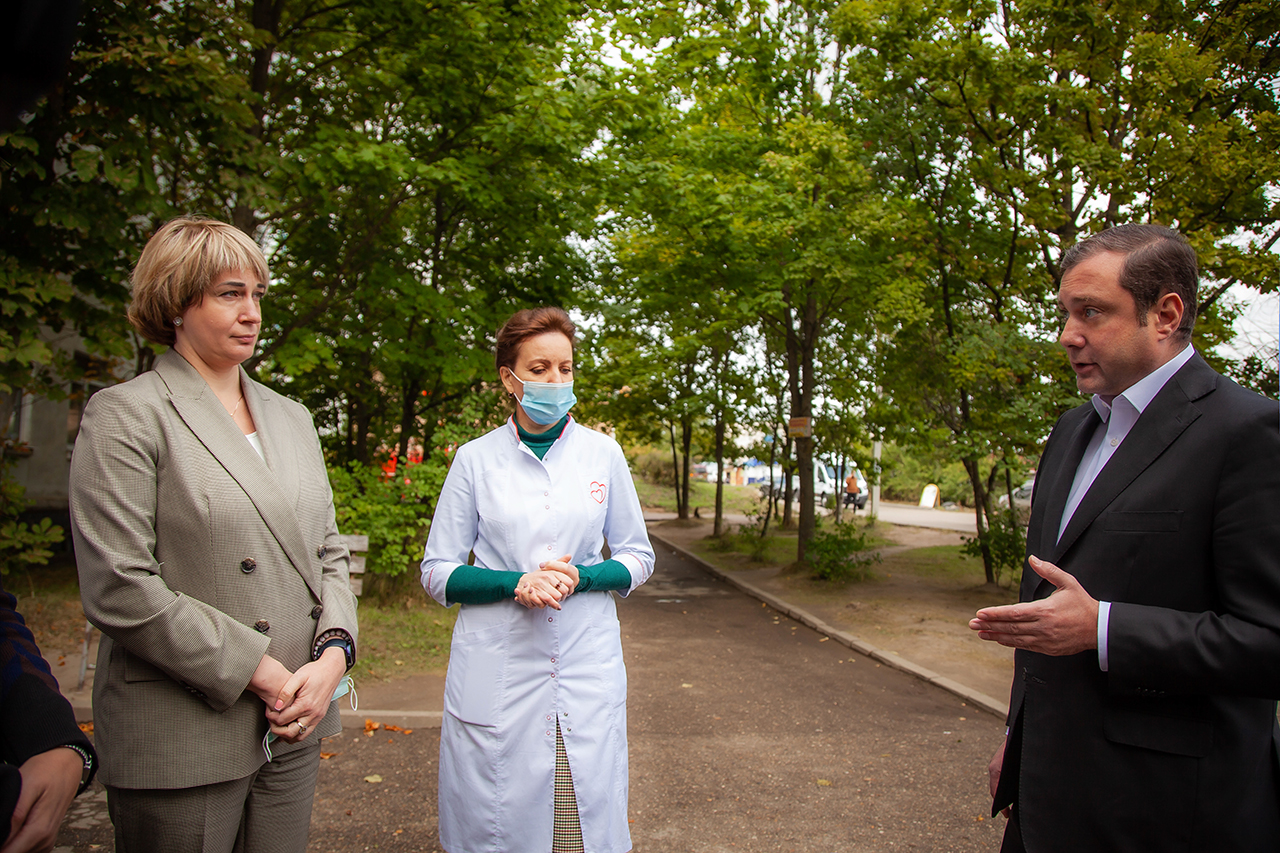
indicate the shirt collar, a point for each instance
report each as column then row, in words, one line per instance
column 1141, row 393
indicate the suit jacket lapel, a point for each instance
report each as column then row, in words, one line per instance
column 265, row 486
column 1168, row 415
column 1064, row 472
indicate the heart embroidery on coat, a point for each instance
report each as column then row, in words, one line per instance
column 597, row 491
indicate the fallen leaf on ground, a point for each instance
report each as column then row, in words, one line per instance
column 87, row 728
column 824, row 783
column 373, row 778
column 328, row 754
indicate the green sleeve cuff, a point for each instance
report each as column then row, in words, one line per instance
column 602, row 577
column 474, row 585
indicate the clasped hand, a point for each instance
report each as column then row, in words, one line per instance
column 1065, row 623
column 550, row 584
column 297, row 701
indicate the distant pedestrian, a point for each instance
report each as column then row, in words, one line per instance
column 210, row 560
column 533, row 748
column 851, row 489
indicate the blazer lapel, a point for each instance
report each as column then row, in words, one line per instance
column 265, row 486
column 1167, row 416
column 1059, row 489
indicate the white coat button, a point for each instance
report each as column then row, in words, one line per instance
column 548, row 718
column 553, row 675
column 1114, row 442
column 546, row 494
column 548, row 506
column 553, row 660
column 548, row 734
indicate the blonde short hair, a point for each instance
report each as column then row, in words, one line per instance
column 179, row 264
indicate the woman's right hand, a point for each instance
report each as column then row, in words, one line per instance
column 269, row 679
column 537, row 590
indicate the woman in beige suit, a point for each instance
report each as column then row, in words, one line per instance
column 209, row 558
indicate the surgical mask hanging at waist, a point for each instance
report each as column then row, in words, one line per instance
column 546, row 402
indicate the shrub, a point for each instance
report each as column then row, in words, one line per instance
column 22, row 544
column 841, row 554
column 393, row 510
column 1007, row 543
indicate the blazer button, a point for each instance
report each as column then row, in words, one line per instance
column 316, row 611
column 321, row 551
column 248, row 564
column 262, row 626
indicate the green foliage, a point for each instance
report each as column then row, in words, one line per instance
column 905, row 473
column 393, row 510
column 1006, row 543
column 654, row 465
column 22, row 543
column 841, row 554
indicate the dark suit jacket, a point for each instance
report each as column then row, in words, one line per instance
column 34, row 716
column 1175, row 747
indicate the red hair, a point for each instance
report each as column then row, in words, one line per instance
column 527, row 324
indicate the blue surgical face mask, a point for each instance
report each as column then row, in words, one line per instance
column 546, row 402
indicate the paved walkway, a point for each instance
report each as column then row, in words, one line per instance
column 749, row 730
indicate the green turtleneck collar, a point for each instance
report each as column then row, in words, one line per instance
column 540, row 442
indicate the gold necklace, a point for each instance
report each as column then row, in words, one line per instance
column 237, row 408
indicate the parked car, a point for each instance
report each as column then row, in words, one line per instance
column 1021, row 496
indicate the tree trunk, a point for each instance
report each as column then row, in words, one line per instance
column 682, row 509
column 719, row 528
column 975, row 480
column 686, row 441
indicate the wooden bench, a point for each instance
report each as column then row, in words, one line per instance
column 357, row 545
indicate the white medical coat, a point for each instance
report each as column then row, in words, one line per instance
column 513, row 672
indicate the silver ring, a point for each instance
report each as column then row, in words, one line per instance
column 302, row 728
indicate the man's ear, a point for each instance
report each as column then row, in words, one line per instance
column 1167, row 313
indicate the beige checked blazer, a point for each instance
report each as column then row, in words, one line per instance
column 196, row 557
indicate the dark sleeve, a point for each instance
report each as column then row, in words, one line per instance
column 474, row 585
column 34, row 715
column 10, row 788
column 609, row 575
column 1232, row 647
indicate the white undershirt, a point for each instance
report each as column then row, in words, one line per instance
column 257, row 443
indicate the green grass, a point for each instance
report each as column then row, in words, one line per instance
column 779, row 548
column 739, row 500
column 407, row 638
column 941, row 561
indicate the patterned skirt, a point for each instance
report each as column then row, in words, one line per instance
column 566, row 836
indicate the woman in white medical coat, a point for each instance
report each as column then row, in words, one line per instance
column 533, row 747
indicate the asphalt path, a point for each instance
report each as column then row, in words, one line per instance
column 960, row 520
column 748, row 732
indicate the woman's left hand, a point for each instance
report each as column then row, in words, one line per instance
column 567, row 573
column 305, row 698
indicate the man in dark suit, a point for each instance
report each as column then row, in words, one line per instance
column 47, row 759
column 1143, row 712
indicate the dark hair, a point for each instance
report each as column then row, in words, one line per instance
column 1157, row 260
column 527, row 324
